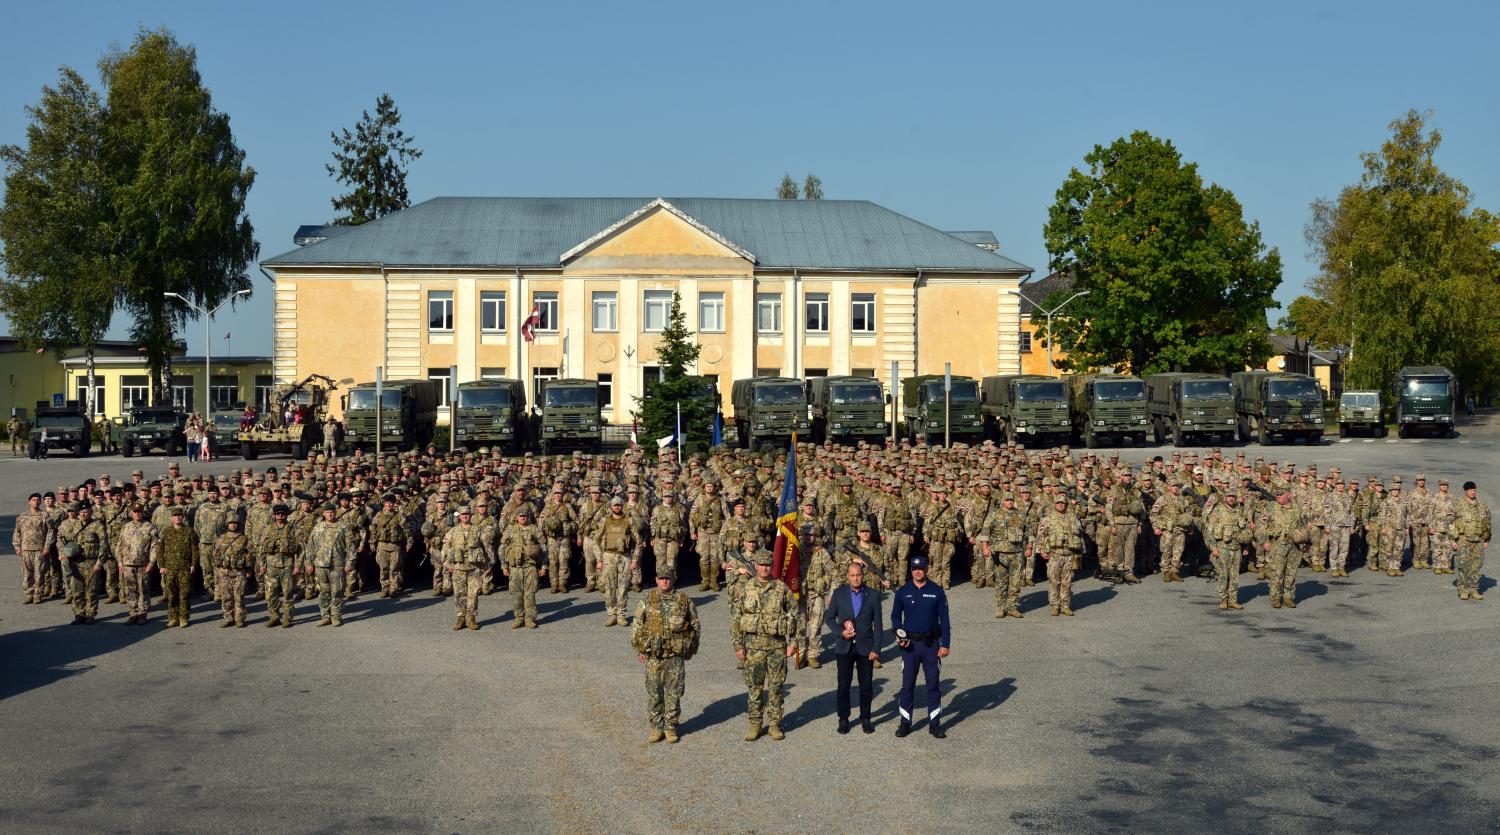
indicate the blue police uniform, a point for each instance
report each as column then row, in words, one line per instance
column 923, row 613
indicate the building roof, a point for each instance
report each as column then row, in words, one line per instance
column 178, row 361
column 982, row 238
column 1035, row 293
column 313, row 233
column 509, row 232
column 10, row 344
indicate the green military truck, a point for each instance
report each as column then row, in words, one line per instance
column 1108, row 406
column 491, row 413
column 1022, row 408
column 1191, row 407
column 1361, row 412
column 922, row 408
column 154, row 427
column 1272, row 405
column 847, row 409
column 768, row 410
column 59, row 427
column 226, row 436
column 408, row 414
column 1425, row 398
column 572, row 416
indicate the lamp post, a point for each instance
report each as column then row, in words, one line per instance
column 1051, row 371
column 208, row 316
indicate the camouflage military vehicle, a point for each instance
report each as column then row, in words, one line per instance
column 847, row 409
column 922, row 408
column 407, row 415
column 1425, row 398
column 768, row 410
column 154, row 427
column 571, row 416
column 1362, row 412
column 65, row 427
column 491, row 413
column 1108, row 406
column 305, row 402
column 1271, row 405
column 1023, row 408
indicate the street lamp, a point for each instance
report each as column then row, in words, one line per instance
column 1051, row 371
column 208, row 316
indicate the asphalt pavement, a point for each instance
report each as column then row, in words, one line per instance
column 1368, row 708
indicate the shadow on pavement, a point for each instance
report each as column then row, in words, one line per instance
column 714, row 713
column 38, row 657
column 572, row 607
column 1093, row 597
column 977, row 699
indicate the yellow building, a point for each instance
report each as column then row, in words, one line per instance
column 1295, row 355
column 794, row 288
column 123, row 382
column 1033, row 338
column 32, row 376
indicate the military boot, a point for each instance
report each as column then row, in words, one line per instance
column 285, row 624
column 703, row 586
column 813, row 662
column 226, row 623
column 714, row 585
column 78, row 619
column 671, row 735
column 1463, row 594
column 1223, row 604
column 1067, row 611
column 1015, row 613
column 325, row 621
column 1056, row 611
column 1275, row 603
column 775, row 731
column 655, row 736
column 273, row 621
column 609, row 621
column 754, row 732
column 171, row 620
column 1475, row 595
column 457, row 624
column 518, row 624
column 473, row 624
column 437, row 592
column 1289, row 603
column 1000, row 613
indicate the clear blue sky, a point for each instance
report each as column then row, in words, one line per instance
column 964, row 116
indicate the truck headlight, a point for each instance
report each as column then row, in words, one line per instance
column 1317, row 420
column 1227, row 421
column 463, row 431
column 760, row 426
column 1141, row 421
column 593, row 428
column 838, row 426
column 1020, row 423
column 976, row 423
column 1444, row 418
column 1275, row 420
column 1187, row 421
column 549, row 429
column 934, row 424
column 1098, row 423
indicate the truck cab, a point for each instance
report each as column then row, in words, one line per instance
column 1191, row 407
column 572, row 416
column 922, row 408
column 407, row 414
column 154, row 427
column 64, row 427
column 1108, row 407
column 768, row 410
column 847, row 409
column 1425, row 397
column 491, row 413
column 1273, row 406
column 1022, row 408
column 1362, row 412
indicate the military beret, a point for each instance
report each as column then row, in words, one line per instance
column 1469, row 485
column 279, row 510
column 388, row 497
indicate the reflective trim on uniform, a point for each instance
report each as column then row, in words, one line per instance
column 904, row 714
column 933, row 714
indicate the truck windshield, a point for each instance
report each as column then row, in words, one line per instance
column 1040, row 391
column 56, row 420
column 483, row 398
column 856, row 393
column 1295, row 390
column 148, row 418
column 1428, row 387
column 231, row 422
column 966, row 391
column 780, row 394
column 365, row 399
column 1366, row 400
column 570, row 396
column 1120, row 390
column 1206, row 390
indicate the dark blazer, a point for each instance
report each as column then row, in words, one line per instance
column 867, row 625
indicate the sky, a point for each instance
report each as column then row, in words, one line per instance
column 961, row 115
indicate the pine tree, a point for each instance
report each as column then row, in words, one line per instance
column 656, row 415
column 372, row 162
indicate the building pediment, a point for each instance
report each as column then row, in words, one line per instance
column 657, row 239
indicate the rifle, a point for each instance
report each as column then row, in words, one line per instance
column 847, row 544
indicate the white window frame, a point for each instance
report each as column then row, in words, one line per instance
column 856, row 301
column 443, row 298
column 605, row 303
column 492, row 373
column 182, row 393
column 711, row 312
column 538, row 377
column 606, row 382
column 547, row 302
column 661, row 300
column 488, row 300
column 81, row 391
column 446, row 375
column 215, row 389
column 768, row 304
column 134, row 396
column 816, row 302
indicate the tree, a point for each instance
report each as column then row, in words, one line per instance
column 1176, row 278
column 1407, row 267
column 788, row 188
column 58, row 289
column 372, row 162
column 177, row 184
column 1312, row 319
column 656, row 414
column 812, row 187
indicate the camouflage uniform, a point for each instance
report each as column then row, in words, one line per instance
column 559, row 524
column 302, row 522
column 31, row 539
column 232, row 561
column 208, row 523
column 616, row 540
column 941, row 528
column 388, row 532
column 523, row 550
column 1287, row 534
column 1338, row 517
column 893, row 518
column 1003, row 539
column 668, row 524
column 135, row 547
column 1172, row 515
column 1441, row 513
column 465, row 557
column 280, row 557
column 1125, row 509
column 92, row 539
column 1227, row 532
column 761, row 629
column 1419, row 517
column 705, row 525
column 818, row 581
column 1393, row 524
column 666, row 633
column 177, row 556
column 327, row 551
column 1470, row 531
column 1060, row 537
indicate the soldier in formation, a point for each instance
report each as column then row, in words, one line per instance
column 665, row 636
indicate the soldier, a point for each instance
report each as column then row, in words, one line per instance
column 136, row 549
column 941, row 530
column 1470, row 532
column 893, row 516
column 31, row 539
column 435, row 532
column 667, row 527
column 1394, row 527
column 177, row 555
column 818, row 581
column 589, row 515
column 208, row 523
column 1419, row 516
column 327, row 551
column 559, row 524
column 1001, row 541
column 665, row 635
column 91, row 541
column 1227, row 532
column 464, row 558
column 616, row 539
column 17, row 432
column 1287, row 535
column 1441, row 515
column 302, row 521
column 388, row 532
column 280, row 566
column 1060, row 540
column 705, row 524
column 1338, row 518
column 522, row 548
column 1125, row 509
column 233, row 562
column 761, row 629
column 1171, row 519
column 257, row 519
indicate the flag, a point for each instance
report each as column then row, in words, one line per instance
column 787, row 562
column 718, row 430
column 633, row 428
column 664, row 442
column 226, row 335
column 534, row 321
column 679, row 430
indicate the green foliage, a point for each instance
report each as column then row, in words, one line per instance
column 787, row 190
column 1176, row 278
column 1312, row 319
column 177, row 184
column 656, row 414
column 58, row 288
column 812, row 187
column 372, row 163
column 1408, row 268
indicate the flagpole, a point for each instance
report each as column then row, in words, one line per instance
column 679, row 432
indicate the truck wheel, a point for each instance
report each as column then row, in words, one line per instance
column 545, row 447
column 250, row 451
column 1343, row 431
column 82, row 449
column 1090, row 440
column 1140, row 439
column 31, row 450
column 1384, row 431
column 754, row 445
column 1401, row 431
column 127, row 449
column 1315, row 439
column 1179, row 437
column 1156, row 432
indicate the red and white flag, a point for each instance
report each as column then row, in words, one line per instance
column 528, row 327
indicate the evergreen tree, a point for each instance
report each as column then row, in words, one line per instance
column 812, row 187
column 372, row 161
column 656, row 413
column 787, row 190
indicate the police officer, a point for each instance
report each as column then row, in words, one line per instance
column 920, row 620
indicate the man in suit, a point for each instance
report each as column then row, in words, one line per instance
column 854, row 618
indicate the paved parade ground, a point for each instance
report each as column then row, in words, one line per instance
column 1370, row 707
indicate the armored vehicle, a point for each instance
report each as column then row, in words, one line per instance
column 154, row 427
column 65, row 427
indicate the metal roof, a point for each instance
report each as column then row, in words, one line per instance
column 308, row 234
column 979, row 237
column 1034, row 294
column 536, row 231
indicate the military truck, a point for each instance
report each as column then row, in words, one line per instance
column 572, row 416
column 1108, row 406
column 294, row 422
column 1022, row 408
column 1271, row 405
column 154, row 427
column 847, row 409
column 922, row 408
column 64, row 427
column 1362, row 412
column 1191, row 407
column 768, row 410
column 226, row 436
column 408, row 415
column 1425, row 397
column 491, row 413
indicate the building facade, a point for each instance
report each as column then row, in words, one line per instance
column 770, row 287
column 122, row 383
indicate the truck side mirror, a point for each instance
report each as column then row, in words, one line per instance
column 887, row 400
column 343, row 402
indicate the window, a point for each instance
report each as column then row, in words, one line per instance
column 492, row 373
column 768, row 372
column 263, row 387
column 546, row 304
column 492, row 311
column 606, row 311
column 606, row 390
column 655, row 309
column 1025, row 342
column 711, row 312
column 541, row 376
column 224, row 391
column 862, row 372
column 768, row 313
column 182, row 392
column 817, row 313
column 815, row 372
column 81, row 391
column 440, row 311
column 650, row 376
column 446, row 377
column 135, row 392
column 863, row 319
